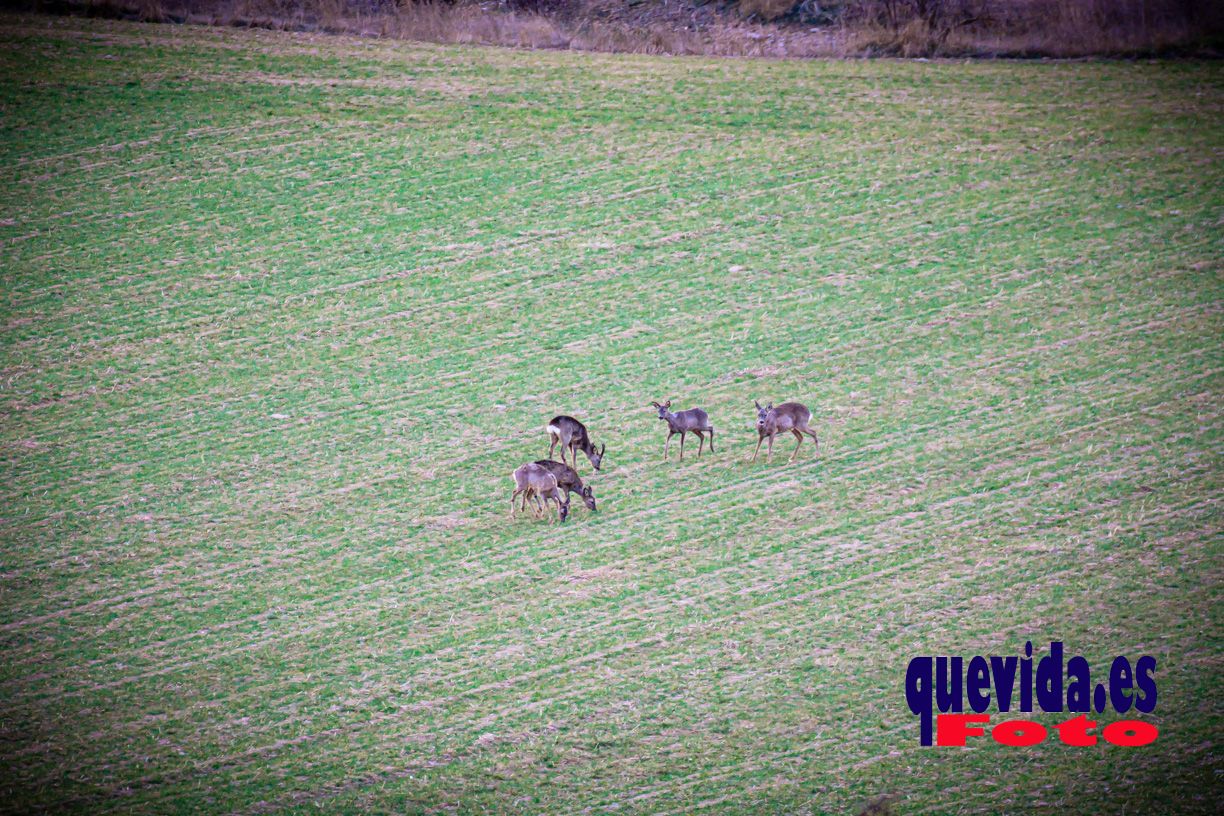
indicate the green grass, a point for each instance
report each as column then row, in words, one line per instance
column 282, row 313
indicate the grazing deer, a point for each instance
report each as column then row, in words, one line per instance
column 535, row 482
column 681, row 422
column 572, row 436
column 789, row 416
column 569, row 481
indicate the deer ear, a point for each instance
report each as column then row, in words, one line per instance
column 655, row 404
column 769, row 407
column 757, row 404
column 603, row 448
column 667, row 404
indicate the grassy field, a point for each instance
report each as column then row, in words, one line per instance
column 281, row 314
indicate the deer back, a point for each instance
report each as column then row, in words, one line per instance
column 693, row 418
column 681, row 421
column 567, row 478
column 535, row 478
column 789, row 415
column 569, row 481
column 569, row 427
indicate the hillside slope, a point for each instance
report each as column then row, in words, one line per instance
column 283, row 312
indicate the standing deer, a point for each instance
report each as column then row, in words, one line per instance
column 694, row 419
column 535, row 482
column 569, row 481
column 789, row 416
column 572, row 436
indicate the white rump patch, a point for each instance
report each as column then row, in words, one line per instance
column 554, row 430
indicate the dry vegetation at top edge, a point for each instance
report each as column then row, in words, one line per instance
column 767, row 28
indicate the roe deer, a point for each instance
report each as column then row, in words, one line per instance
column 681, row 422
column 789, row 416
column 535, row 482
column 572, row 436
column 569, row 481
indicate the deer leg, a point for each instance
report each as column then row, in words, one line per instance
column 682, row 446
column 513, row 496
column 798, row 436
column 710, row 431
column 701, row 443
column 769, row 453
column 667, row 444
column 552, row 445
column 760, row 439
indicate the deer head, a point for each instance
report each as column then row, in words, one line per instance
column 762, row 413
column 588, row 497
column 596, row 458
column 662, row 408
